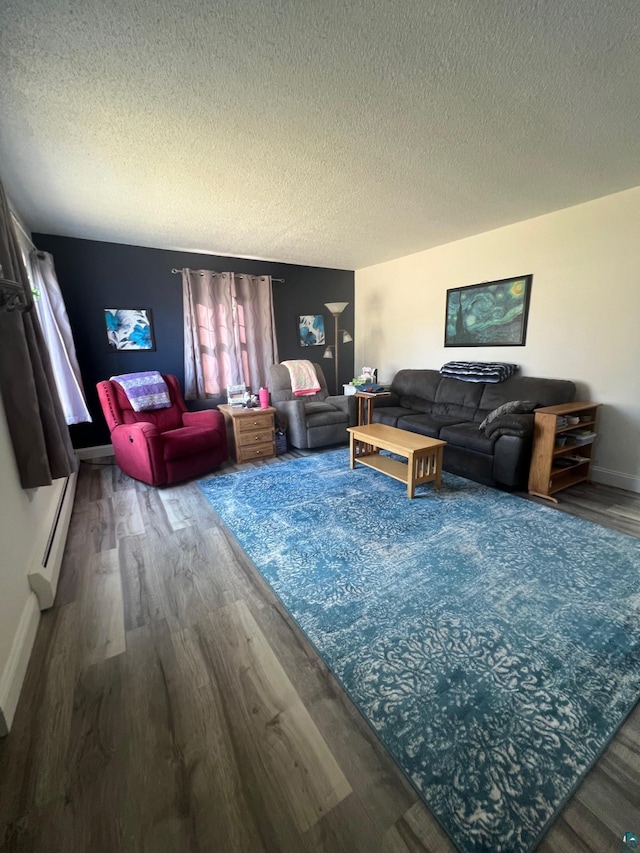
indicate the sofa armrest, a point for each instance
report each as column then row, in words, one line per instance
column 131, row 433
column 391, row 399
column 138, row 451
column 511, row 458
column 348, row 404
column 518, row 425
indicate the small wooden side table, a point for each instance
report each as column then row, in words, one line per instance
column 361, row 396
column 250, row 432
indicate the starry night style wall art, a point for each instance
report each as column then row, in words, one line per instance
column 490, row 314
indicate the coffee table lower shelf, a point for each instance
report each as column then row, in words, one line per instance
column 424, row 455
column 392, row 467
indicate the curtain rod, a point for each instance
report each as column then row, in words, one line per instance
column 239, row 274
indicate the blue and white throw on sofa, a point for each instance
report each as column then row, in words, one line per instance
column 479, row 371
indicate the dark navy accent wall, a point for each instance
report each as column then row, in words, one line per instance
column 95, row 275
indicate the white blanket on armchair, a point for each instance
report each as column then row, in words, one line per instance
column 304, row 380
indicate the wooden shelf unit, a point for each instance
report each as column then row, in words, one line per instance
column 546, row 477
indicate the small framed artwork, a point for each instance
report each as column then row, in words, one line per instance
column 129, row 329
column 490, row 314
column 311, row 330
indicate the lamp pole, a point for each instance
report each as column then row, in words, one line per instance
column 336, row 309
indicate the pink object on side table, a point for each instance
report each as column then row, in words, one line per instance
column 263, row 395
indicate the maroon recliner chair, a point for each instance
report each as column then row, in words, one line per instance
column 166, row 445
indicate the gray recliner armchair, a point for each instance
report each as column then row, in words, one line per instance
column 315, row 420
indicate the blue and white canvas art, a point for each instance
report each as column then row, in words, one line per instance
column 129, row 329
column 311, row 329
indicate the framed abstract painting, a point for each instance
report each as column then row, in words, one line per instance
column 490, row 314
column 311, row 330
column 129, row 329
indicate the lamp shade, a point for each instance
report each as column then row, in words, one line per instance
column 328, row 353
column 336, row 307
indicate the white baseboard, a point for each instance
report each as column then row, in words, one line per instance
column 45, row 567
column 615, row 478
column 94, row 452
column 12, row 677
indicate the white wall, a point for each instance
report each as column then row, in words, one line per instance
column 583, row 321
column 23, row 515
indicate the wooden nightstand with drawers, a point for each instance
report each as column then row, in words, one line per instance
column 251, row 432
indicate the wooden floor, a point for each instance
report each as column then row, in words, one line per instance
column 172, row 705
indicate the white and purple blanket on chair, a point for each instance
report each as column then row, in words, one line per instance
column 146, row 391
column 304, row 380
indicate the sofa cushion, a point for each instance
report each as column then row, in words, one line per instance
column 314, row 408
column 469, row 436
column 416, row 404
column 327, row 417
column 513, row 407
column 420, row 384
column 546, row 392
column 164, row 419
column 390, row 415
column 457, row 399
column 188, row 440
column 426, row 424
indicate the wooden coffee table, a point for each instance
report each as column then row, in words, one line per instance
column 423, row 455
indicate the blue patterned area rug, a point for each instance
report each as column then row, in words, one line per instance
column 493, row 644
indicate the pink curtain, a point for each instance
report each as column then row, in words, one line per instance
column 229, row 332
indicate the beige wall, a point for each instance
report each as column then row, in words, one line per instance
column 583, row 320
column 22, row 516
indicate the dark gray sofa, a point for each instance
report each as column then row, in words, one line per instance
column 428, row 403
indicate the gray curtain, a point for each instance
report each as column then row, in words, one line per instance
column 229, row 332
column 37, row 427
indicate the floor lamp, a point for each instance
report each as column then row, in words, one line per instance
column 336, row 308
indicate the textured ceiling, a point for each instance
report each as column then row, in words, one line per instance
column 328, row 132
